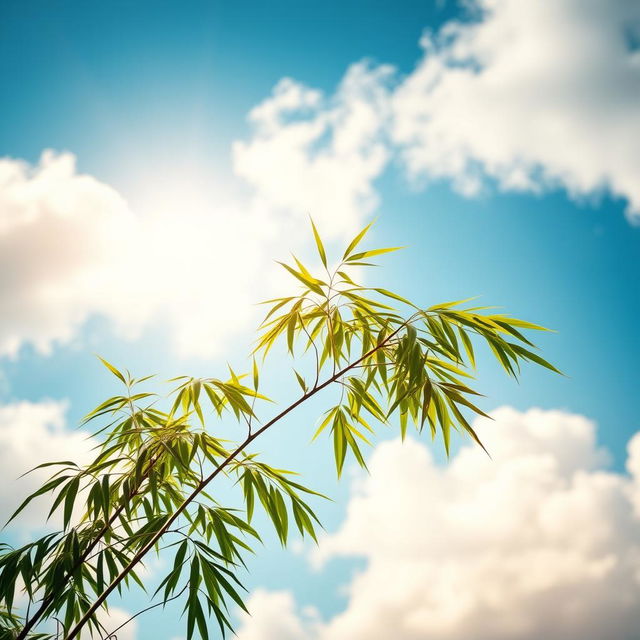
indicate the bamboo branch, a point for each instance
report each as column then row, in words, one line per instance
column 201, row 486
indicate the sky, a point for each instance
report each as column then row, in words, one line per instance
column 156, row 158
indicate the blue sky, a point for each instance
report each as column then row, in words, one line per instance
column 499, row 148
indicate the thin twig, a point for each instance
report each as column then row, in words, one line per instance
column 153, row 606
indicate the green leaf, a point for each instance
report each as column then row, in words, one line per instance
column 112, row 369
column 339, row 445
column 320, row 247
column 394, row 296
column 291, row 327
column 49, row 486
column 311, row 283
column 328, row 417
column 301, row 382
column 256, row 377
column 373, row 252
column 194, row 610
column 529, row 355
column 354, row 243
column 468, row 346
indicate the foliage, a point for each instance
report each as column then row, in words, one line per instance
column 148, row 486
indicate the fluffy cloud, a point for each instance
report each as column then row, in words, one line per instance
column 57, row 229
column 319, row 155
column 538, row 541
column 531, row 95
column 70, row 248
column 30, row 434
column 114, row 618
column 274, row 615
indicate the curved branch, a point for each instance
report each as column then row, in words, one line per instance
column 201, row 486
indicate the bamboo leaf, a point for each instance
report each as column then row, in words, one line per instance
column 372, row 253
column 319, row 245
column 354, row 243
column 113, row 370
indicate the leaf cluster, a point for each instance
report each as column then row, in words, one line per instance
column 148, row 485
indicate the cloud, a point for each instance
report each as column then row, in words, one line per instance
column 71, row 248
column 538, row 541
column 274, row 615
column 534, row 95
column 56, row 230
column 320, row 155
column 32, row 433
column 112, row 619
column 531, row 96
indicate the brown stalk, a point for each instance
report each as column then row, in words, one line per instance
column 200, row 487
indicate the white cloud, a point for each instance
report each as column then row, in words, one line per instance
column 538, row 542
column 533, row 94
column 32, row 433
column 71, row 248
column 56, row 229
column 112, row 619
column 310, row 154
column 274, row 615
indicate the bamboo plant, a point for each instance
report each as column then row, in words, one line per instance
column 151, row 484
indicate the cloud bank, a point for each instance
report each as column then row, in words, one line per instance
column 534, row 95
column 538, row 542
column 316, row 154
column 71, row 248
column 530, row 96
column 57, row 229
column 526, row 96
